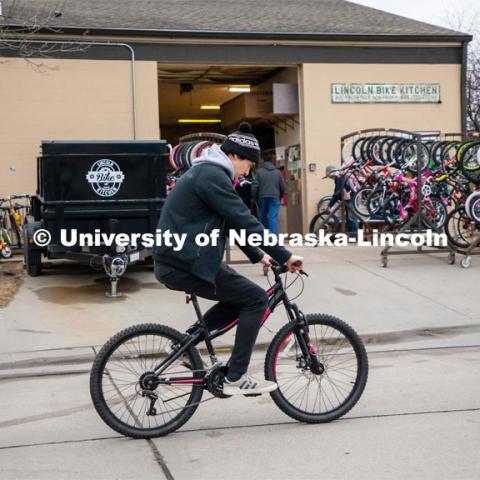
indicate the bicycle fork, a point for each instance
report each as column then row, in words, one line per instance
column 303, row 339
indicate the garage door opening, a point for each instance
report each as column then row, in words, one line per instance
column 216, row 99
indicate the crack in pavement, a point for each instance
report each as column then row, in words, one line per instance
column 29, row 375
column 426, row 297
column 53, row 349
column 62, row 442
column 259, row 425
column 344, row 419
column 47, row 361
column 160, row 459
column 154, row 449
column 44, row 416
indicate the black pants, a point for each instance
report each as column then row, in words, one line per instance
column 237, row 296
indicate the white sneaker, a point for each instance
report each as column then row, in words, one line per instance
column 247, row 385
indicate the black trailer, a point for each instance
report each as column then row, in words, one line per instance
column 95, row 186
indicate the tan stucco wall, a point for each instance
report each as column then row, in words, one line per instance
column 68, row 100
column 323, row 123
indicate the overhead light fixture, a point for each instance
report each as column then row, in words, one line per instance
column 239, row 88
column 210, row 107
column 199, row 120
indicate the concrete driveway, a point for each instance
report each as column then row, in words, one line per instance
column 418, row 418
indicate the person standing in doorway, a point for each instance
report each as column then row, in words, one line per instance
column 342, row 192
column 270, row 191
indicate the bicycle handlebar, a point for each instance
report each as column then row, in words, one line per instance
column 279, row 269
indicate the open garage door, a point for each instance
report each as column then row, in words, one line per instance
column 205, row 98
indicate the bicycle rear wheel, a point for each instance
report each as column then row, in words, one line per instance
column 122, row 375
column 318, row 398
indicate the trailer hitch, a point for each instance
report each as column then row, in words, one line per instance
column 115, row 267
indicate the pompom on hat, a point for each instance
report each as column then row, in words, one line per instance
column 243, row 143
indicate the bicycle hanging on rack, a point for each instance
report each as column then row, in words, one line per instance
column 149, row 379
column 412, row 182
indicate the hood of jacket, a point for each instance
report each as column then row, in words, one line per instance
column 214, row 155
column 268, row 166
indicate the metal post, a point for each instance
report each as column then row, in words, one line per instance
column 419, row 186
column 102, row 44
column 343, row 202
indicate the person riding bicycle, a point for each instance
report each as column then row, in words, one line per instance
column 204, row 200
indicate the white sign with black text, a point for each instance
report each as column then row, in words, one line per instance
column 385, row 92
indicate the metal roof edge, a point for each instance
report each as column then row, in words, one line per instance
column 198, row 34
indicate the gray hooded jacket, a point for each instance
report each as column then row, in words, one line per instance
column 270, row 182
column 203, row 200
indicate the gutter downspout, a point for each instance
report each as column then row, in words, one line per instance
column 463, row 86
column 102, row 44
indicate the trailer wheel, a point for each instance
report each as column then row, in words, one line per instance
column 33, row 260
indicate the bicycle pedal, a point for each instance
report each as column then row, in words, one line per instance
column 253, row 395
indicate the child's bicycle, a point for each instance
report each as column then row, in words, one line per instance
column 149, row 379
column 5, row 241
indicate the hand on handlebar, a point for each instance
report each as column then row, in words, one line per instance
column 267, row 260
column 295, row 263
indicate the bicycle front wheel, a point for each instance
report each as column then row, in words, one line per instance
column 318, row 398
column 328, row 222
column 127, row 394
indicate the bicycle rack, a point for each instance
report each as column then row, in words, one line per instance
column 14, row 229
column 418, row 222
column 466, row 261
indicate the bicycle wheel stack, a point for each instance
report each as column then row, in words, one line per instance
column 393, row 177
column 188, row 149
column 191, row 147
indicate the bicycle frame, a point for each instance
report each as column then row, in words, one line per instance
column 199, row 332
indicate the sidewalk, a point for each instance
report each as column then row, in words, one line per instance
column 419, row 418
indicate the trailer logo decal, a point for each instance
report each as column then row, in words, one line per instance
column 105, row 177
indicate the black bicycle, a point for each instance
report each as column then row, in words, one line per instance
column 148, row 379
